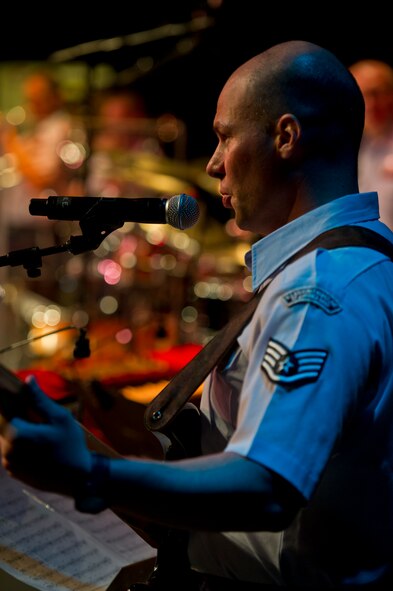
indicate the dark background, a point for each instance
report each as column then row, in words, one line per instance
column 187, row 84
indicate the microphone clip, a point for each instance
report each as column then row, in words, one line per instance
column 93, row 233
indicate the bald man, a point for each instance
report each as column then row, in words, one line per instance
column 294, row 483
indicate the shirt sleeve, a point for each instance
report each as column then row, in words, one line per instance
column 309, row 351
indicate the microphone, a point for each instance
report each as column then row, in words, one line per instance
column 82, row 345
column 180, row 211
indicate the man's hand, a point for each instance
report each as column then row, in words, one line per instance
column 50, row 454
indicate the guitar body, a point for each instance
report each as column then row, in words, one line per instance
column 120, row 422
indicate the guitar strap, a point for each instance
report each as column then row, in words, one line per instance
column 172, row 398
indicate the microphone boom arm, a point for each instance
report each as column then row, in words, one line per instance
column 92, row 236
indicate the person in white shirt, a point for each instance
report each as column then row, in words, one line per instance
column 375, row 79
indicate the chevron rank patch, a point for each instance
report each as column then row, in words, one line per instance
column 312, row 295
column 292, row 367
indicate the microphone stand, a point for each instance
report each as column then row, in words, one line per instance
column 93, row 233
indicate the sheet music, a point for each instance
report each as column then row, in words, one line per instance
column 47, row 544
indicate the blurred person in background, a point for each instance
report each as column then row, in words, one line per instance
column 120, row 129
column 47, row 152
column 375, row 79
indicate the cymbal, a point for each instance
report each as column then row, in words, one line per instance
column 160, row 165
column 162, row 183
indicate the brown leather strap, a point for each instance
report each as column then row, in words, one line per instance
column 175, row 394
column 182, row 386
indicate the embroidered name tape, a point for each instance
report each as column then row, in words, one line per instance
column 292, row 367
column 312, row 295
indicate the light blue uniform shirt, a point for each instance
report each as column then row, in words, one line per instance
column 309, row 395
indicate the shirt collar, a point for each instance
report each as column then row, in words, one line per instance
column 273, row 250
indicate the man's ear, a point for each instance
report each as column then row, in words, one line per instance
column 288, row 133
